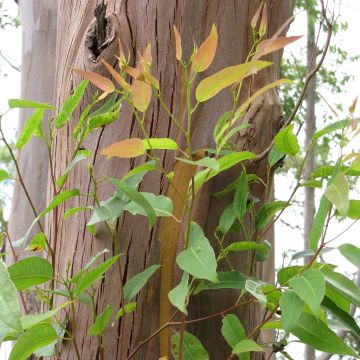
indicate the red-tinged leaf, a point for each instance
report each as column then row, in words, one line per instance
column 147, row 57
column 135, row 73
column 263, row 22
column 151, row 80
column 255, row 19
column 141, row 94
column 119, row 79
column 125, row 149
column 101, row 82
column 272, row 45
column 204, row 56
column 177, row 44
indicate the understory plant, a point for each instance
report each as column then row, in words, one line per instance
column 305, row 304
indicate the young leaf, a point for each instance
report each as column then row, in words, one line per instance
column 291, row 308
column 245, row 346
column 38, row 242
column 199, row 258
column 267, row 212
column 75, row 210
column 191, row 347
column 20, row 103
column 208, row 162
column 220, row 124
column 310, row 288
column 241, row 196
column 101, row 322
column 70, row 105
column 94, row 275
column 328, row 170
column 129, row 308
column 338, row 193
column 30, row 127
column 4, row 175
column 204, row 56
column 108, row 210
column 213, row 84
column 29, row 272
column 33, row 339
column 286, row 141
column 125, row 149
column 338, row 125
column 160, row 144
column 275, row 155
column 177, row 44
column 141, row 95
column 319, row 222
column 9, row 305
column 104, row 119
column 119, row 79
column 101, row 82
column 354, row 209
column 179, row 293
column 315, row 333
column 351, row 253
column 137, row 282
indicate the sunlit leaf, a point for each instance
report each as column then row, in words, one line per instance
column 271, row 45
column 20, row 103
column 338, row 125
column 118, row 78
column 30, row 127
column 286, row 141
column 127, row 308
column 319, row 221
column 160, row 144
column 354, row 209
column 328, row 170
column 338, row 193
column 141, row 95
column 101, row 82
column 125, row 149
column 4, row 175
column 177, row 44
column 101, row 322
column 38, row 242
column 103, row 119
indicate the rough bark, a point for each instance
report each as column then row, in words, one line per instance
column 38, row 23
column 136, row 23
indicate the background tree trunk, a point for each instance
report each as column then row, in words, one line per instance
column 137, row 23
column 38, row 23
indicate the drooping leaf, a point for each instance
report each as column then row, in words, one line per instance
column 33, row 339
column 246, row 346
column 275, row 155
column 287, row 273
column 199, row 258
column 141, row 169
column 274, row 44
column 213, row 84
column 312, row 183
column 75, row 210
column 128, row 308
column 328, row 170
column 141, row 95
column 20, row 103
column 338, row 125
column 220, row 124
column 315, row 333
column 177, row 44
column 310, row 288
column 191, row 347
column 125, row 149
column 94, row 275
column 30, row 127
column 208, row 162
column 291, row 308
column 119, row 79
column 137, row 282
column 351, row 253
column 227, row 219
column 338, row 193
column 38, row 242
column 9, row 305
column 108, row 210
column 80, row 155
column 226, row 133
column 204, row 56
column 179, row 293
column 101, row 322
column 4, row 175
column 70, row 105
column 319, row 222
column 29, row 272
column 267, row 212
column 286, row 141
column 101, row 82
column 241, row 196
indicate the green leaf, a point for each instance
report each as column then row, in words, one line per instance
column 328, row 170
column 29, row 272
column 310, row 288
column 75, row 210
column 38, row 242
column 140, row 170
column 208, row 162
column 161, row 204
column 241, row 196
column 33, row 339
column 342, row 316
column 319, row 222
column 354, row 209
column 229, row 133
column 224, row 118
column 137, row 282
column 9, row 305
column 108, row 210
column 338, row 125
column 19, row 103
column 343, row 285
column 233, row 332
column 110, row 105
column 351, row 253
column 80, row 155
column 227, row 219
column 179, row 293
column 80, row 126
column 213, row 84
column 245, row 346
column 160, row 144
column 192, row 348
column 103, row 119
column 254, row 287
column 275, row 155
column 246, row 246
column 95, row 274
column 101, row 322
column 4, row 175
column 287, row 142
column 225, row 162
column 50, row 350
column 267, row 212
column 227, row 280
column 70, row 105
column 287, row 273
column 199, row 258
column 338, row 193
column 30, row 127
column 137, row 198
column 312, row 183
column 291, row 308
column 338, row 299
column 315, row 333
column 129, row 308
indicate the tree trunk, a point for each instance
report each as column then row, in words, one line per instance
column 38, row 23
column 137, row 23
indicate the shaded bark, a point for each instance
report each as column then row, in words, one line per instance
column 136, row 23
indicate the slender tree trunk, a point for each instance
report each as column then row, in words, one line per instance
column 136, row 23
column 38, row 23
column 310, row 127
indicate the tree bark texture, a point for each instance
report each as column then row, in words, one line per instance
column 137, row 23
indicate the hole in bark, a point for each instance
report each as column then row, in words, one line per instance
column 100, row 33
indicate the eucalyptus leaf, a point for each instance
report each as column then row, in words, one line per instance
column 241, row 196
column 179, row 293
column 338, row 193
column 319, row 222
column 101, row 322
column 30, row 127
column 191, row 347
column 291, row 308
column 20, row 103
column 351, row 253
column 268, row 210
column 286, row 141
